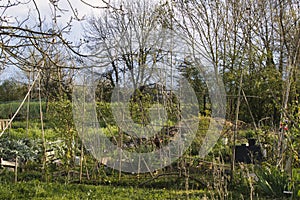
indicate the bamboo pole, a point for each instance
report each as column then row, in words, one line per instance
column 42, row 129
column 82, row 129
column 21, row 105
column 120, row 152
column 28, row 103
column 81, row 164
column 16, row 169
column 236, row 124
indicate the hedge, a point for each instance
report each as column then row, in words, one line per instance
column 8, row 109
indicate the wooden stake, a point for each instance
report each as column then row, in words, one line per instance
column 16, row 170
column 236, row 125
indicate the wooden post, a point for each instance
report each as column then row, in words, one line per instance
column 10, row 164
column 81, row 163
column 82, row 129
column 16, row 169
column 120, row 152
column 236, row 125
column 44, row 167
column 28, row 105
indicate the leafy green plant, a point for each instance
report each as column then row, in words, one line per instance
column 271, row 181
column 60, row 116
column 24, row 149
column 33, row 133
column 295, row 184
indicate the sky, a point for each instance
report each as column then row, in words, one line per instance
column 21, row 12
column 46, row 12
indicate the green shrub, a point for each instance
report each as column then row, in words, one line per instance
column 271, row 182
column 295, row 184
column 9, row 108
column 202, row 130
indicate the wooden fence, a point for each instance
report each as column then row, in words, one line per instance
column 12, row 165
column 4, row 123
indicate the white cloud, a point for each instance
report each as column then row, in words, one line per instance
column 46, row 12
column 12, row 73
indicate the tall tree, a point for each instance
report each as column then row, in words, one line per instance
column 130, row 43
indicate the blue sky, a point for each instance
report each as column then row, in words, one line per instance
column 21, row 12
column 11, row 72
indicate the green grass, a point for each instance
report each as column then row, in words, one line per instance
column 40, row 190
column 34, row 133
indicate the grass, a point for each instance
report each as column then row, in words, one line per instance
column 34, row 133
column 40, row 190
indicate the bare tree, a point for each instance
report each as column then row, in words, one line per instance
column 129, row 43
column 21, row 35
